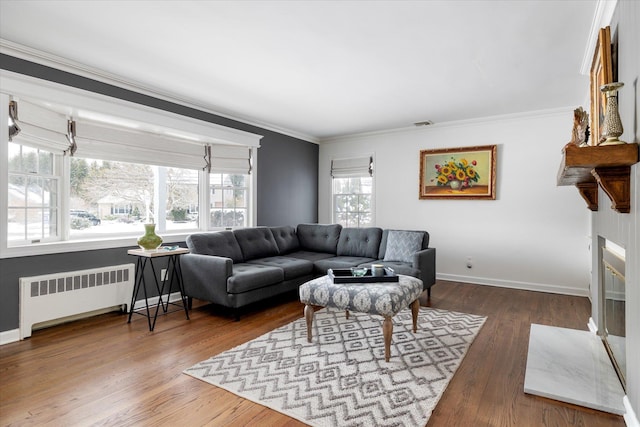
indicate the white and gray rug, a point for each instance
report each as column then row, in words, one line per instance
column 341, row 378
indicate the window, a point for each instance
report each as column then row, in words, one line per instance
column 85, row 171
column 352, row 201
column 182, row 192
column 352, row 191
column 229, row 196
column 32, row 195
column 110, row 197
column 113, row 198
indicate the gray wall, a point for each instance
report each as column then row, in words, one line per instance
column 287, row 190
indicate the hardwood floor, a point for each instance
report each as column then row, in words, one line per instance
column 103, row 371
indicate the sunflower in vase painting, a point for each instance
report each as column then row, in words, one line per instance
column 457, row 174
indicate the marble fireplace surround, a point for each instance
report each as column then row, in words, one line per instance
column 574, row 366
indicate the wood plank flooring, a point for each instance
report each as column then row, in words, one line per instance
column 103, row 371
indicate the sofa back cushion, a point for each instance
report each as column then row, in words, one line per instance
column 286, row 239
column 256, row 242
column 359, row 242
column 219, row 243
column 319, row 237
column 398, row 239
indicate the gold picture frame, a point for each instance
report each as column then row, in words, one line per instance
column 601, row 73
column 458, row 173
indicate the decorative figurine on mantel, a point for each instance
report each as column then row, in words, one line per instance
column 612, row 124
column 580, row 132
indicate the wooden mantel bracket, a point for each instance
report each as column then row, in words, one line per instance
column 606, row 165
column 616, row 182
column 589, row 192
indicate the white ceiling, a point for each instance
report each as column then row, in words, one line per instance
column 325, row 68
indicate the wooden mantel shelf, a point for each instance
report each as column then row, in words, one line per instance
column 609, row 166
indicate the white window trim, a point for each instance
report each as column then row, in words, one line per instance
column 4, row 175
column 91, row 103
column 156, row 120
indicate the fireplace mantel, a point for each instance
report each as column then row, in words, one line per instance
column 608, row 166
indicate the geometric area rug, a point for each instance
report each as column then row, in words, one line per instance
column 341, row 378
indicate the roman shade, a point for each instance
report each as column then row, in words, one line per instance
column 117, row 143
column 100, row 141
column 356, row 166
column 39, row 127
column 231, row 159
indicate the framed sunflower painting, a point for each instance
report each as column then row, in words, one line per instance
column 458, row 173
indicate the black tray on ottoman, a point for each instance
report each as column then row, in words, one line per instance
column 343, row 275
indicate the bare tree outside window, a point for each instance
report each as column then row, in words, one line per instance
column 352, row 199
column 32, row 195
column 116, row 197
column 182, row 195
column 228, row 195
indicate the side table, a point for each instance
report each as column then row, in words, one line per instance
column 174, row 272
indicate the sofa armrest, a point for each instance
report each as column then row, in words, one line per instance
column 205, row 276
column 425, row 261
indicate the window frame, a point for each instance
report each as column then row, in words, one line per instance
column 57, row 176
column 221, row 187
column 14, row 84
column 332, row 179
column 160, row 212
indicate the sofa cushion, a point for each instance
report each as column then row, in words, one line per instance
column 219, row 243
column 286, row 239
column 359, row 242
column 322, row 265
column 247, row 277
column 401, row 245
column 319, row 237
column 310, row 256
column 398, row 267
column 293, row 267
column 256, row 242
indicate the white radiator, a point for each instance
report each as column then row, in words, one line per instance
column 54, row 297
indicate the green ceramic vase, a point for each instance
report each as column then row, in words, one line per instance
column 150, row 240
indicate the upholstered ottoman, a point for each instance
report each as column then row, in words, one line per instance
column 385, row 299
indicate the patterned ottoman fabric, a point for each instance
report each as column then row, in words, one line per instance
column 385, row 298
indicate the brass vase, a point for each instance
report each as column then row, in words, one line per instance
column 612, row 128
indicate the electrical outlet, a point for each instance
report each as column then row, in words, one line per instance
column 163, row 274
column 469, row 262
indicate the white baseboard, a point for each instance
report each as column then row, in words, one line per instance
column 175, row 296
column 10, row 336
column 630, row 418
column 527, row 286
column 7, row 337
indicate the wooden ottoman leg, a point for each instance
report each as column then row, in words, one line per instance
column 308, row 315
column 415, row 308
column 387, row 331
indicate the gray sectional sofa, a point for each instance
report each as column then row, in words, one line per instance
column 247, row 265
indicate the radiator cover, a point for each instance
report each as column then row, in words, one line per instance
column 56, row 296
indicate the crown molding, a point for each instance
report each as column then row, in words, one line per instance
column 601, row 18
column 452, row 124
column 49, row 60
